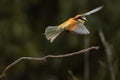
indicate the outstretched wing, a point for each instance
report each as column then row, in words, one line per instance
column 81, row 29
column 93, row 11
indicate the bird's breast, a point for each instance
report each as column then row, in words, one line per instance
column 70, row 24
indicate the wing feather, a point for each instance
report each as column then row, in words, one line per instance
column 93, row 11
column 81, row 29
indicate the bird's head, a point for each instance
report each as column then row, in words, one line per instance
column 80, row 18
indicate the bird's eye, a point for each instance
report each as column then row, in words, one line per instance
column 83, row 18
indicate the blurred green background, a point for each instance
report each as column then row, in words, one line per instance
column 22, row 24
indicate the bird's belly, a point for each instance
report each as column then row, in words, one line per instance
column 72, row 27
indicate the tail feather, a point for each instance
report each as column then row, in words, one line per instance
column 52, row 32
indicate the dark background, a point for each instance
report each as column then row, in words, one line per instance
column 22, row 24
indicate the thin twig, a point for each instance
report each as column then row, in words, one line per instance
column 86, row 60
column 108, row 53
column 44, row 58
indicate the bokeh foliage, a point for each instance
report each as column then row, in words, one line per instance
column 22, row 24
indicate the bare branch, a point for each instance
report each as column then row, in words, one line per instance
column 108, row 53
column 44, row 58
column 86, row 60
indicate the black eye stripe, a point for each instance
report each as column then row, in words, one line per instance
column 81, row 18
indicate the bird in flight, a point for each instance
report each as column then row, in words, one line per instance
column 75, row 24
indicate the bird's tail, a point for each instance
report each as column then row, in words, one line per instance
column 52, row 32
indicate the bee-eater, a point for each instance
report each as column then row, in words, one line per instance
column 75, row 24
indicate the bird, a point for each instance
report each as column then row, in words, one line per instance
column 74, row 24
